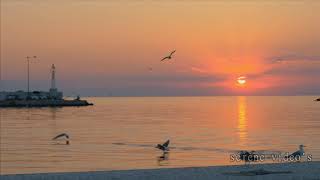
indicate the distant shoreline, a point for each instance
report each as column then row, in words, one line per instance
column 303, row 170
column 313, row 96
column 42, row 103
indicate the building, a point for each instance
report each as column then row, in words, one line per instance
column 53, row 92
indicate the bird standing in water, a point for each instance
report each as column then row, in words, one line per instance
column 247, row 156
column 298, row 153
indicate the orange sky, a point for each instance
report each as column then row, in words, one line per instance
column 102, row 47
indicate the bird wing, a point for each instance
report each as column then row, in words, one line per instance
column 166, row 144
column 159, row 146
column 164, row 58
column 60, row 135
column 172, row 52
column 297, row 153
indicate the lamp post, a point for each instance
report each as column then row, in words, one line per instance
column 28, row 61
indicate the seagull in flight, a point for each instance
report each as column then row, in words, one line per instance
column 66, row 136
column 164, row 147
column 298, row 153
column 168, row 57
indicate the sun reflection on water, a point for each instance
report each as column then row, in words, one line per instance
column 242, row 119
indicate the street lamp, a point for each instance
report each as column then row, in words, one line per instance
column 28, row 61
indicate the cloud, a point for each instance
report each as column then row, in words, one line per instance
column 294, row 71
column 293, row 57
column 146, row 85
column 159, row 78
column 198, row 70
column 293, row 64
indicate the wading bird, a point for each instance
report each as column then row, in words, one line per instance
column 298, row 153
column 248, row 156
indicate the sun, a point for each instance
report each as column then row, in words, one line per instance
column 241, row 80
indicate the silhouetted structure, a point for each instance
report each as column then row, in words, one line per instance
column 39, row 98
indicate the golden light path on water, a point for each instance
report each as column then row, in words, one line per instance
column 242, row 119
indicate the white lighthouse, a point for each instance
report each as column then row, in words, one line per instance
column 54, row 94
column 53, row 78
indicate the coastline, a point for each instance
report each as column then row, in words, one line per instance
column 303, row 170
column 43, row 103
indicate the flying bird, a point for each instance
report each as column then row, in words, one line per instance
column 61, row 135
column 168, row 57
column 164, row 147
column 298, row 153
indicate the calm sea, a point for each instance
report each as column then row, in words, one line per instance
column 121, row 132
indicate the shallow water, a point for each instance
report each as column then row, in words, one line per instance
column 120, row 133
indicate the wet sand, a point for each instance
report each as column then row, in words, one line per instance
column 303, row 170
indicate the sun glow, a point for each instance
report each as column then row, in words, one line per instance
column 241, row 80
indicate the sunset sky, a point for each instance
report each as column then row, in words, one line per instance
column 107, row 47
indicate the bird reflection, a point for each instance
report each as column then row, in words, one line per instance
column 163, row 159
